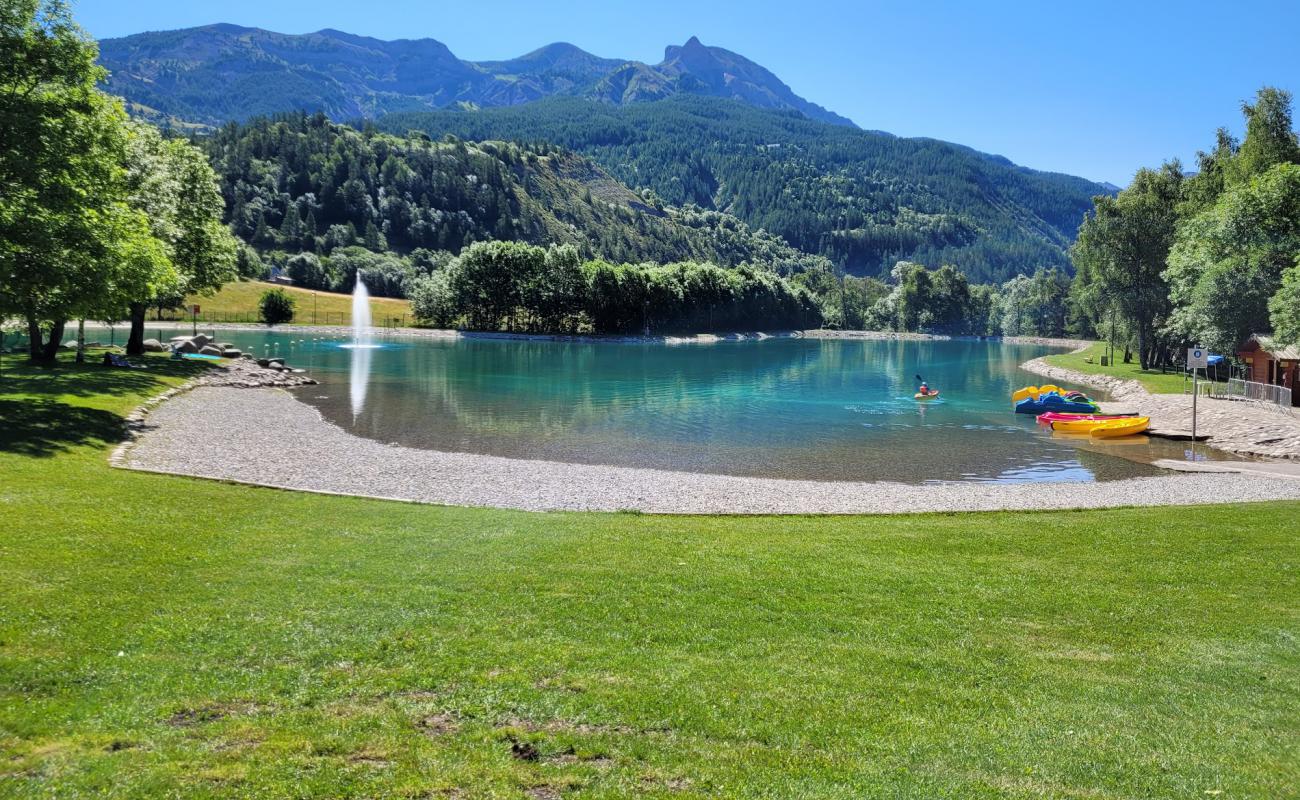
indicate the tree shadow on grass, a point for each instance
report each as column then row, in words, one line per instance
column 41, row 427
column 83, row 380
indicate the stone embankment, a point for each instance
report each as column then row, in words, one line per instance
column 1235, row 426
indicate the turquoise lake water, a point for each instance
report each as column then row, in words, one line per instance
column 792, row 408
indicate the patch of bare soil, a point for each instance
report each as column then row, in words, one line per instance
column 209, row 712
column 436, row 725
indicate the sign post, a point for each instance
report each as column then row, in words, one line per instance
column 1197, row 359
column 194, row 318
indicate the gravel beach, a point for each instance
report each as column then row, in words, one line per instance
column 265, row 436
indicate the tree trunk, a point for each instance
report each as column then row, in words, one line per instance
column 34, row 339
column 81, row 341
column 48, row 352
column 1144, row 347
column 135, row 341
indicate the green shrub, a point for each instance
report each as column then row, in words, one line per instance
column 277, row 306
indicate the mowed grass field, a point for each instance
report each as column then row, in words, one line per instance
column 1154, row 380
column 169, row 637
column 238, row 302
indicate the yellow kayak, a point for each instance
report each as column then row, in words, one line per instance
column 1080, row 425
column 1121, row 427
column 933, row 394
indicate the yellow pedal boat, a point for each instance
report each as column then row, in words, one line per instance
column 1033, row 392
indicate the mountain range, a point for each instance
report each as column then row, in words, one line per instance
column 703, row 129
column 216, row 73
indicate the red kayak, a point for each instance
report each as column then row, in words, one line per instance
column 1057, row 416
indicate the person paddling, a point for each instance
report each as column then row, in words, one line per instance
column 925, row 389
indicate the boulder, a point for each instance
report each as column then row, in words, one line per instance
column 224, row 346
column 200, row 340
column 209, row 350
column 231, row 352
column 153, row 346
column 178, row 339
column 185, row 346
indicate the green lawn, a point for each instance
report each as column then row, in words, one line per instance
column 1154, row 380
column 238, row 302
column 167, row 637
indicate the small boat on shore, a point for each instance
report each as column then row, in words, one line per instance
column 1118, row 428
column 1053, row 402
column 1033, row 392
column 1079, row 425
column 1061, row 416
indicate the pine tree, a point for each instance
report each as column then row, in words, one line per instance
column 374, row 240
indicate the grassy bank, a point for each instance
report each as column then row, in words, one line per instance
column 1155, row 381
column 238, row 302
column 162, row 636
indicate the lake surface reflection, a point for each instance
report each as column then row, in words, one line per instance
column 793, row 408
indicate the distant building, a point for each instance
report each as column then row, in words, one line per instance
column 1268, row 361
column 278, row 276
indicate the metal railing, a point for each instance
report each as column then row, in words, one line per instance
column 1279, row 397
column 1207, row 388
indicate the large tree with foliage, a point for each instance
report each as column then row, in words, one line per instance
column 1270, row 139
column 1228, row 261
column 1284, row 307
column 71, row 246
column 172, row 182
column 1121, row 254
column 1240, row 232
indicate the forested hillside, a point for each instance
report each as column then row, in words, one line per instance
column 302, row 183
column 864, row 199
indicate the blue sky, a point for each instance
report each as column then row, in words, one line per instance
column 1096, row 89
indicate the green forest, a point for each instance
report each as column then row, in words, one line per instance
column 863, row 199
column 321, row 203
column 302, row 183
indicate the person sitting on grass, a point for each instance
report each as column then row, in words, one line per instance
column 115, row 360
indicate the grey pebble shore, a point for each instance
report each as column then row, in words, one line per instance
column 265, row 436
